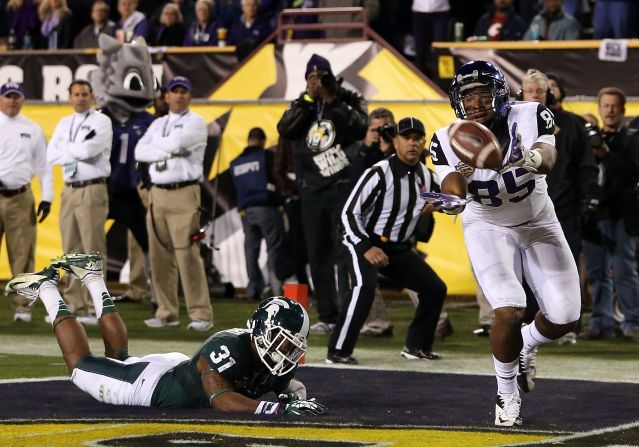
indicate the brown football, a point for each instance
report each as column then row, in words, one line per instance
column 475, row 144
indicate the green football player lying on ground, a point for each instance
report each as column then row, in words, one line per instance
column 229, row 372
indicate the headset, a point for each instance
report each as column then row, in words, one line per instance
column 550, row 97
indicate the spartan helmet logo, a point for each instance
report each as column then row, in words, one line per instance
column 274, row 307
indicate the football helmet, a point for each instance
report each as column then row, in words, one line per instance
column 477, row 74
column 279, row 328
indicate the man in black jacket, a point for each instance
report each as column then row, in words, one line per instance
column 503, row 23
column 618, row 153
column 323, row 123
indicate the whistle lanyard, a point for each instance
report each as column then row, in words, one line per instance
column 74, row 135
column 166, row 124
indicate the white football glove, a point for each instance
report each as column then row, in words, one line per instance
column 522, row 157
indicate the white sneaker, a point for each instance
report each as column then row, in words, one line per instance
column 507, row 410
column 322, row 328
column 527, row 371
column 21, row 315
column 87, row 320
column 79, row 265
column 28, row 284
column 200, row 325
column 156, row 322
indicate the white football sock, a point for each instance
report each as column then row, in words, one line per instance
column 532, row 337
column 506, row 374
column 52, row 300
column 99, row 294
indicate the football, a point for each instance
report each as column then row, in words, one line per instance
column 475, row 144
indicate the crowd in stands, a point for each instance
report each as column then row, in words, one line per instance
column 409, row 25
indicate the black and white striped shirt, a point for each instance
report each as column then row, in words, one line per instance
column 386, row 203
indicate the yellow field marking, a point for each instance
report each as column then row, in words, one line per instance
column 64, row 435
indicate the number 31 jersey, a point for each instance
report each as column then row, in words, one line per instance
column 515, row 195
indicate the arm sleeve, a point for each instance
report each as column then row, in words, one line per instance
column 186, row 139
column 43, row 169
column 81, row 150
column 362, row 197
column 296, row 119
column 56, row 155
column 146, row 150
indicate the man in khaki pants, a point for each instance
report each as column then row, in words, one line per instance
column 81, row 144
column 23, row 153
column 174, row 146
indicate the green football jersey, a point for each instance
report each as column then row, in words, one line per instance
column 229, row 354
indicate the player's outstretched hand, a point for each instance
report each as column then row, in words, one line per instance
column 287, row 398
column 445, row 203
column 522, row 157
column 300, row 407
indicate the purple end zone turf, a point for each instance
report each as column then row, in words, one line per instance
column 372, row 398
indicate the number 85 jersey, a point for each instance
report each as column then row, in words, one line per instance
column 510, row 197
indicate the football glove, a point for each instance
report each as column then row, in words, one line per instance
column 445, row 203
column 522, row 157
column 300, row 407
column 287, row 398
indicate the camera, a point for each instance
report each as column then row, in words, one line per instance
column 386, row 132
column 595, row 139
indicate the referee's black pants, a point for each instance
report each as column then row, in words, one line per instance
column 408, row 269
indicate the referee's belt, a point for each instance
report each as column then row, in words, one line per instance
column 83, row 183
column 13, row 192
column 178, row 185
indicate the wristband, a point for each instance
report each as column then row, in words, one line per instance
column 266, row 407
column 218, row 393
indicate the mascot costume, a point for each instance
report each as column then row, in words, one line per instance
column 124, row 86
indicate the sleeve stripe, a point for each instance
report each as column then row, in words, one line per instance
column 360, row 199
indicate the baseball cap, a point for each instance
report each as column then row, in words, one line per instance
column 11, row 87
column 410, row 124
column 179, row 81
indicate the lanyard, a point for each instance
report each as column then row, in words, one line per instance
column 166, row 124
column 321, row 105
column 72, row 140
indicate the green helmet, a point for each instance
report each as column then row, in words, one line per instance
column 279, row 328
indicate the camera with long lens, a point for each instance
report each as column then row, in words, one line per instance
column 595, row 139
column 386, row 132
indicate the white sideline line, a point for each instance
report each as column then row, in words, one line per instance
column 599, row 431
column 35, row 379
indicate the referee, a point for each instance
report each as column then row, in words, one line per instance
column 379, row 218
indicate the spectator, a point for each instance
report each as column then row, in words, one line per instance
column 228, row 12
column 23, row 153
column 371, row 7
column 56, row 24
column 186, row 7
column 81, row 144
column 88, row 37
column 169, row 31
column 617, row 149
column 615, row 19
column 258, row 205
column 503, row 23
column 249, row 31
column 287, row 183
column 132, row 23
column 553, row 24
column 203, row 30
column 174, row 146
column 322, row 123
column 430, row 24
column 23, row 20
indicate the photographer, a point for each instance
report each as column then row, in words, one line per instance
column 617, row 150
column 323, row 124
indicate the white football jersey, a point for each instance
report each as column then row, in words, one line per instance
column 515, row 195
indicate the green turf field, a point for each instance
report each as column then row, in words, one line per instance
column 30, row 350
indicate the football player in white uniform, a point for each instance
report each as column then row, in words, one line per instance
column 510, row 227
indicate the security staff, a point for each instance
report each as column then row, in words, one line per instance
column 324, row 122
column 379, row 218
column 81, row 144
column 23, row 153
column 174, row 146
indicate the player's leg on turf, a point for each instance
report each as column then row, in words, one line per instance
column 88, row 268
